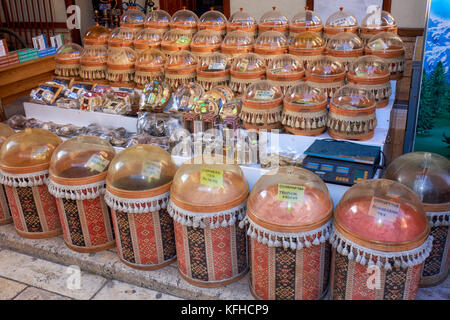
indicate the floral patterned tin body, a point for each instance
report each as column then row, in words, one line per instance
column 5, row 214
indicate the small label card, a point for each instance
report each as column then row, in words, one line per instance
column 384, row 209
column 97, row 163
column 212, row 178
column 151, row 171
column 263, row 95
column 290, row 193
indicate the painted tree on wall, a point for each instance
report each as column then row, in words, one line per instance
column 425, row 118
column 439, row 87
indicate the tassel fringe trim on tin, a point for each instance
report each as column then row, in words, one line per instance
column 209, row 83
column 143, row 205
column 93, row 73
column 386, row 260
column 211, row 220
column 294, row 241
column 67, row 70
column 240, row 85
column 304, row 120
column 349, row 125
column 328, row 88
column 395, row 64
column 120, row 75
column 143, row 77
column 24, row 180
column 377, row 91
column 254, row 116
column 83, row 192
column 439, row 219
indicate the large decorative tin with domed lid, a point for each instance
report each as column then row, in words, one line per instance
column 121, row 37
column 149, row 66
column 371, row 26
column 352, row 114
column 207, row 201
column 327, row 74
column 77, row 180
column 96, row 36
column 340, row 21
column 213, row 70
column 68, row 60
column 5, row 214
column 158, row 20
column 185, row 20
column 345, row 47
column 175, row 40
column 245, row 70
column 204, row 42
column 180, row 68
column 24, row 162
column 285, row 71
column 270, row 44
column 137, row 191
column 389, row 47
column 121, row 63
column 289, row 213
column 304, row 21
column 380, row 240
column 274, row 20
column 428, row 175
column 133, row 19
column 242, row 20
column 94, row 63
column 262, row 106
column 214, row 21
column 236, row 43
column 308, row 46
column 147, row 39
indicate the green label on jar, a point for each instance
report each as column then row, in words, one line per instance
column 290, row 193
column 212, row 178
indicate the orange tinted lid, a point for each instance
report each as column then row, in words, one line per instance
column 5, row 132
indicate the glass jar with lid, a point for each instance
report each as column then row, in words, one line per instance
column 185, row 20
column 214, row 21
column 121, row 63
column 204, row 42
column 352, row 114
column 379, row 224
column 77, row 179
column 68, row 60
column 326, row 74
column 269, row 44
column 428, row 175
column 308, row 46
column 305, row 111
column 372, row 74
column 133, row 18
column 147, row 39
column 158, row 20
column 370, row 26
column 94, row 63
column 304, row 21
column 213, row 69
column 285, row 71
column 345, row 47
column 208, row 196
column 262, row 105
column 289, row 216
column 389, row 47
column 245, row 70
column 24, row 162
column 340, row 21
column 237, row 42
column 149, row 66
column 180, row 68
column 242, row 20
column 274, row 20
column 96, row 36
column 137, row 189
column 121, row 37
column 5, row 213
column 175, row 40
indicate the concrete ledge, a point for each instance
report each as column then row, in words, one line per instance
column 166, row 280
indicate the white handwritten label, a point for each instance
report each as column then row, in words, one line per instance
column 384, row 209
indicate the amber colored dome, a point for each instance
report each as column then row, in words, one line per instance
column 427, row 174
column 28, row 148
column 96, row 35
column 5, row 132
column 307, row 40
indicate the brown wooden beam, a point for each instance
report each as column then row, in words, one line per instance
column 387, row 5
column 410, row 32
column 226, row 8
column 310, row 4
column 74, row 33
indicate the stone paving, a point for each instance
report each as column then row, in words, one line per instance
column 46, row 269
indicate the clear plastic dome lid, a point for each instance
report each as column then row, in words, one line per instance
column 151, row 58
column 184, row 18
column 307, row 40
column 387, row 20
column 304, row 95
column 180, row 60
column 28, row 148
column 158, row 18
column 369, row 67
column 133, row 17
column 325, row 66
column 5, row 132
column 274, row 18
column 292, row 198
column 148, row 36
column 214, row 62
column 212, row 18
column 341, row 19
column 140, row 168
column 345, row 41
column 427, row 174
column 385, row 41
column 249, row 63
column 285, row 64
column 237, row 39
column 121, row 35
column 208, row 185
column 352, row 98
column 242, row 19
column 263, row 91
column 96, row 33
column 69, row 51
column 176, row 37
column 81, row 157
column 206, row 38
column 307, row 18
column 94, row 55
column 122, row 56
column 272, row 40
column 382, row 212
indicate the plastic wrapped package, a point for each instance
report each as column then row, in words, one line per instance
column 262, row 106
column 121, row 63
column 180, row 68
column 96, row 36
column 158, row 20
column 345, row 47
column 17, row 122
column 246, row 69
column 274, row 20
column 285, row 71
column 185, row 20
column 389, row 47
column 326, row 74
column 352, row 114
column 378, row 224
column 371, row 26
column 236, row 43
column 305, row 111
column 241, row 20
column 94, row 63
column 149, row 66
column 308, row 46
column 154, row 97
column 91, row 101
column 67, row 103
column 270, row 44
column 428, row 175
column 213, row 69
column 118, row 103
column 304, row 21
column 175, row 40
column 184, row 97
column 67, row 131
column 147, row 39
column 372, row 74
column 68, row 60
column 214, row 21
column 340, row 21
column 205, row 42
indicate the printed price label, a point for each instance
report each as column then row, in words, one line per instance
column 384, row 209
column 97, row 163
column 263, row 95
column 151, row 170
column 212, row 178
column 183, row 40
column 216, row 66
column 290, row 193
